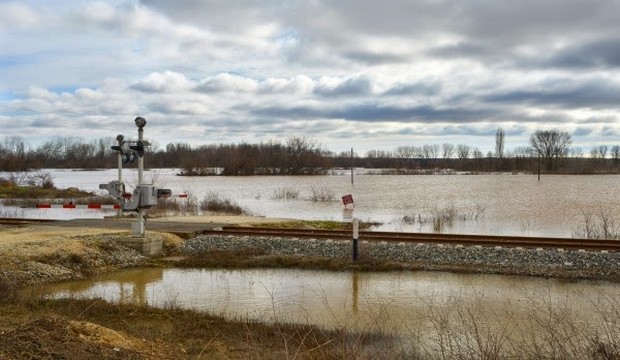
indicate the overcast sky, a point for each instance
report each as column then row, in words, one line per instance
column 365, row 74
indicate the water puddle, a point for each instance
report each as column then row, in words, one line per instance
column 401, row 303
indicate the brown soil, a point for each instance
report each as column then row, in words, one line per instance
column 57, row 338
column 33, row 328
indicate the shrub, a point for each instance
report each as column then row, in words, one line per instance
column 43, row 180
column 213, row 202
column 322, row 195
column 185, row 206
column 599, row 225
column 285, row 194
column 439, row 218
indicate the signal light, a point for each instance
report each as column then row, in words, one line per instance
column 128, row 157
column 138, row 148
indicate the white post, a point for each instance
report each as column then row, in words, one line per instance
column 355, row 239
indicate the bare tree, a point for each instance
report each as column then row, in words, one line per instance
column 499, row 143
column 615, row 153
column 405, row 152
column 447, row 150
column 602, row 151
column 430, row 151
column 462, row 151
column 550, row 145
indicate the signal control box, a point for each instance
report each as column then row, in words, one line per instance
column 144, row 197
column 115, row 188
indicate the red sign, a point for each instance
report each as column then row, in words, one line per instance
column 347, row 199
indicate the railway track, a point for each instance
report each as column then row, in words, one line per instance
column 374, row 236
column 451, row 239
column 22, row 221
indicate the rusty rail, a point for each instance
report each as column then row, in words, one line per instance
column 22, row 221
column 452, row 239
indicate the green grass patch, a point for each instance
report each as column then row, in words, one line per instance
column 317, row 225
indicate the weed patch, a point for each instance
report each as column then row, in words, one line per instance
column 214, row 203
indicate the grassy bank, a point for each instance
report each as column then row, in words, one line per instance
column 138, row 332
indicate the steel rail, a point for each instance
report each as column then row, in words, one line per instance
column 453, row 239
column 23, row 221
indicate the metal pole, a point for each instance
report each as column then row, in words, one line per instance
column 140, row 180
column 351, row 166
column 120, row 175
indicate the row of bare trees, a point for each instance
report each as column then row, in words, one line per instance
column 297, row 156
column 549, row 150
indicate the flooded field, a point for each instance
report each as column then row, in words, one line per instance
column 416, row 307
column 481, row 204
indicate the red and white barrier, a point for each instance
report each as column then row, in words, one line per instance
column 73, row 206
column 88, row 206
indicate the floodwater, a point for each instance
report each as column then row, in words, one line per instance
column 405, row 305
column 479, row 204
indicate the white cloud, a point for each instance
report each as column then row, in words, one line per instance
column 18, row 16
column 379, row 72
column 168, row 81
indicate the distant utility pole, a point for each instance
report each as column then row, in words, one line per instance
column 351, row 166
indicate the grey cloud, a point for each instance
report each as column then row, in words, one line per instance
column 379, row 113
column 603, row 53
column 41, row 122
column 373, row 58
column 461, row 50
column 465, row 129
column 582, row 131
column 351, row 86
column 609, row 131
column 143, row 87
column 598, row 93
column 419, row 88
column 334, row 32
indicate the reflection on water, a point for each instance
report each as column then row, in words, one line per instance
column 507, row 204
column 403, row 303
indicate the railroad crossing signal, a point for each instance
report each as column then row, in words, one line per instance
column 138, row 148
column 133, row 150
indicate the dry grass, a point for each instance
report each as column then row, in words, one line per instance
column 452, row 330
column 93, row 329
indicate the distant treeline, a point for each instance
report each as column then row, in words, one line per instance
column 549, row 153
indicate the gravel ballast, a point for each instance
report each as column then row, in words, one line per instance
column 507, row 260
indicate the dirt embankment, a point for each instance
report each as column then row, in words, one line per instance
column 38, row 254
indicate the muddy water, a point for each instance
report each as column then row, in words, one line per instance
column 406, row 304
column 480, row 204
